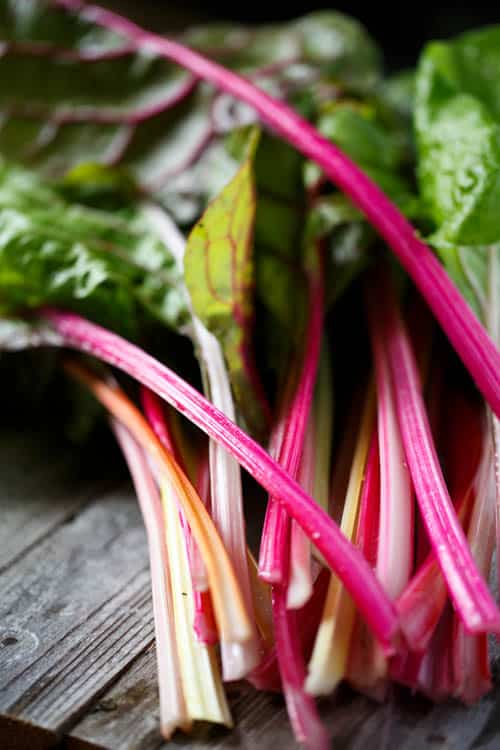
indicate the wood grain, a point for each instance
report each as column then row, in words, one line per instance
column 40, row 488
column 77, row 661
column 75, row 608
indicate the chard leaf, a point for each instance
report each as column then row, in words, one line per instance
column 89, row 73
column 107, row 265
column 103, row 102
column 117, row 120
column 219, row 275
column 324, row 50
column 457, row 118
column 356, row 128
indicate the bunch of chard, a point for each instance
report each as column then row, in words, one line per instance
column 242, row 189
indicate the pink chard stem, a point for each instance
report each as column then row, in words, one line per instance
column 347, row 562
column 464, row 330
column 466, row 586
column 362, row 671
column 421, row 604
column 288, row 445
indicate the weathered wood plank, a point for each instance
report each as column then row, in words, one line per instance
column 76, row 634
column 126, row 718
column 41, row 487
column 74, row 611
column 126, row 715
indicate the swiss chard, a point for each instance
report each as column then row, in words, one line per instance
column 139, row 139
column 218, row 269
column 457, row 118
column 107, row 264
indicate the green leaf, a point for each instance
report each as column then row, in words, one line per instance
column 396, row 94
column 357, row 130
column 47, row 41
column 179, row 155
column 457, row 118
column 336, row 49
column 219, row 275
column 107, row 265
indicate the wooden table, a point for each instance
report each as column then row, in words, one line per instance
column 77, row 662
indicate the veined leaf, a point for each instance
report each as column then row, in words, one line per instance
column 218, row 268
column 103, row 101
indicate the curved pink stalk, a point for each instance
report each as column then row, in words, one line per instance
column 421, row 604
column 464, row 330
column 467, row 587
column 347, row 562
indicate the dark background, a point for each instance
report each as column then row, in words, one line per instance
column 400, row 27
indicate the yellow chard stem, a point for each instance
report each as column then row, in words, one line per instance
column 329, row 659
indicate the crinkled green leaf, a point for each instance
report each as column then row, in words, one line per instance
column 457, row 120
column 107, row 265
column 457, row 117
